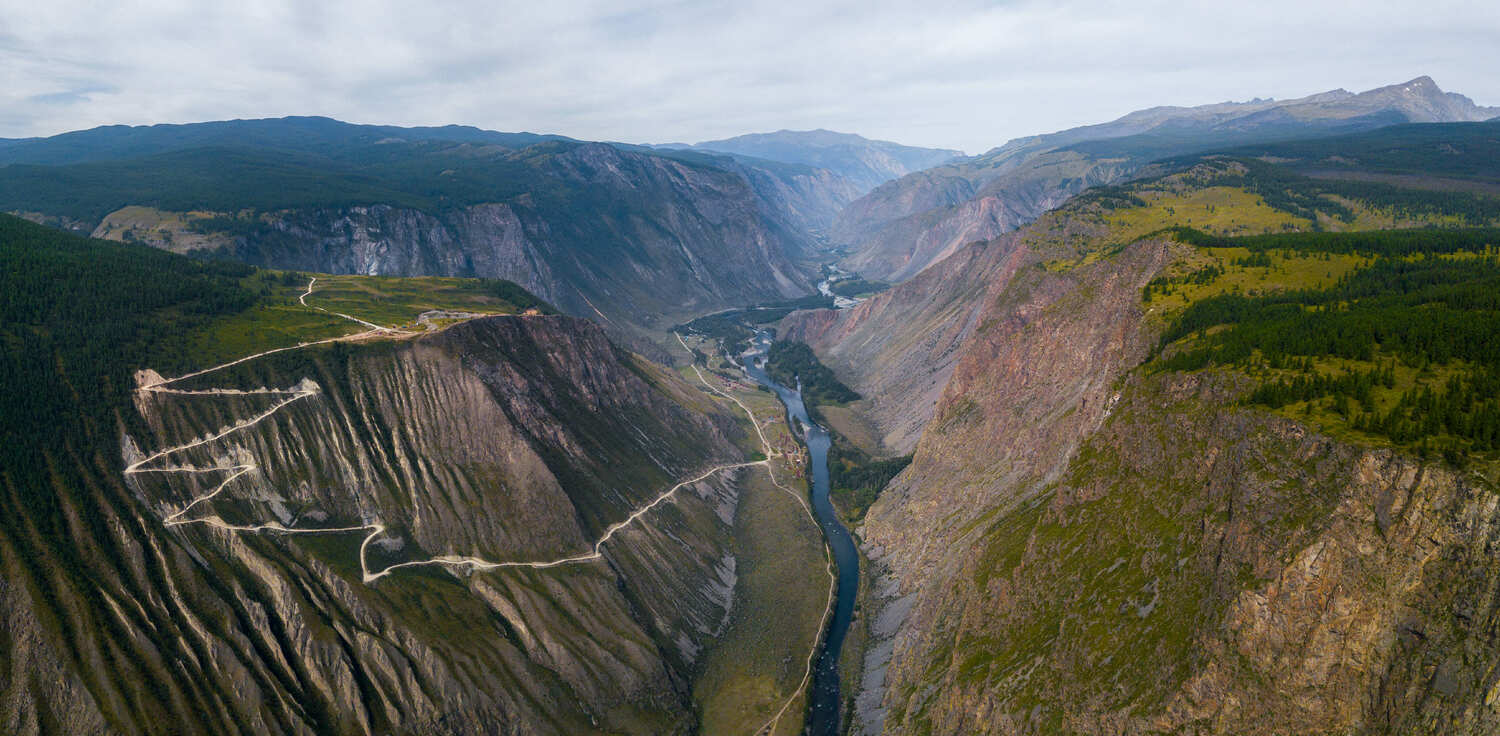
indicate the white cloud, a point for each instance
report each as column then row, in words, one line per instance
column 963, row 74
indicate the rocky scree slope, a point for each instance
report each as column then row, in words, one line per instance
column 219, row 631
column 906, row 225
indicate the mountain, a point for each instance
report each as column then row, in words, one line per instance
column 806, row 198
column 906, row 225
column 298, row 133
column 865, row 163
column 1210, row 452
column 1443, row 156
column 303, row 530
column 637, row 238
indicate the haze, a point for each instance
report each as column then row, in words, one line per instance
column 954, row 74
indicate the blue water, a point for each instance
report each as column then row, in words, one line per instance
column 823, row 707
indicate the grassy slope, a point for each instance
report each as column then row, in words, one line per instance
column 782, row 589
column 278, row 319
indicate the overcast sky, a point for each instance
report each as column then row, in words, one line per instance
column 966, row 75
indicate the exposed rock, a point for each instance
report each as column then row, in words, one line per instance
column 508, row 438
column 681, row 241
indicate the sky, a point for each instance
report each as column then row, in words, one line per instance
column 966, row 75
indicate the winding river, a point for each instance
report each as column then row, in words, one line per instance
column 823, row 708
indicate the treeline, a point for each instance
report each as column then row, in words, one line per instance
column 1110, row 197
column 790, row 362
column 1283, row 189
column 1417, row 303
column 1375, row 243
column 1446, row 150
column 1431, row 310
column 1286, row 190
column 78, row 316
column 1417, row 204
column 517, row 296
column 857, row 287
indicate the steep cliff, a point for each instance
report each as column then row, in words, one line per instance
column 1090, row 540
column 662, row 240
column 506, row 526
column 638, row 238
column 898, row 347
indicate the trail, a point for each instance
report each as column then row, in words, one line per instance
column 303, row 300
column 770, row 726
column 376, row 528
column 306, row 389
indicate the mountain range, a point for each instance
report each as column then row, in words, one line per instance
column 865, row 163
column 908, row 224
column 600, row 230
column 1105, row 529
column 1182, row 423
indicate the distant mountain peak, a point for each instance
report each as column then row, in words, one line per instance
column 864, row 162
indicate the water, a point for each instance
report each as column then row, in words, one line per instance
column 825, row 287
column 823, row 710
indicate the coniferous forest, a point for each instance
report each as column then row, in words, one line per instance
column 1429, row 301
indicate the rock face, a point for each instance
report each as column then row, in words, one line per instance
column 1079, row 546
column 906, row 225
column 899, row 347
column 806, row 199
column 511, row 439
column 642, row 239
column 667, row 241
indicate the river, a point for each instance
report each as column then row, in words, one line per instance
column 823, row 709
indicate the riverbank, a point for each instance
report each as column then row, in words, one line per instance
column 825, row 706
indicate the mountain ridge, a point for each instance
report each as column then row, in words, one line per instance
column 596, row 227
column 864, row 161
column 905, row 225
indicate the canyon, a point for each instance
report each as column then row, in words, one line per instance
column 335, row 428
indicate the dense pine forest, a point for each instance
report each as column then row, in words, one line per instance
column 77, row 317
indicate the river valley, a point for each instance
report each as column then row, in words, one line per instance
column 824, row 710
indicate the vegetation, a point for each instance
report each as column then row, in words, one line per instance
column 733, row 328
column 1304, row 197
column 1449, row 150
column 780, row 594
column 430, row 176
column 856, row 288
column 79, row 316
column 76, row 318
column 856, row 479
column 790, row 362
column 1428, row 302
column 1391, row 243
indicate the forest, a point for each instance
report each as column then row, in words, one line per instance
column 77, row 317
column 1430, row 301
column 790, row 362
column 856, row 480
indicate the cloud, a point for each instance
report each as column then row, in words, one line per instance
column 953, row 73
